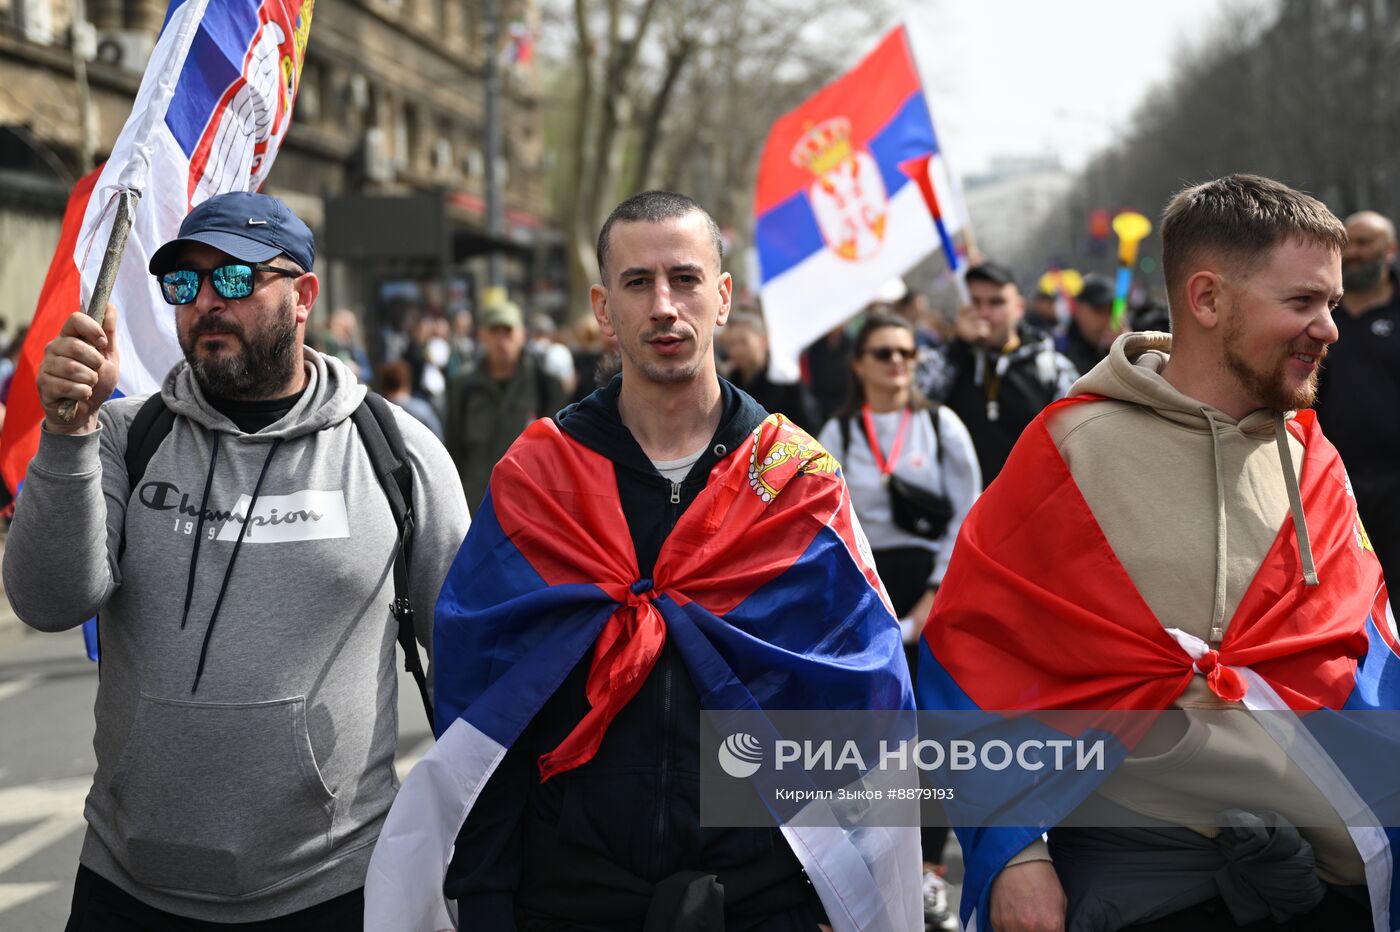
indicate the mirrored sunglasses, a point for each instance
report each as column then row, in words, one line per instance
column 232, row 281
column 886, row 353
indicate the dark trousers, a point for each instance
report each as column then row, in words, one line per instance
column 101, row 906
column 904, row 571
column 1336, row 913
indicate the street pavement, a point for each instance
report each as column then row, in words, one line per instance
column 47, row 690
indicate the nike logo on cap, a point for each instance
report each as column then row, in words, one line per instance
column 256, row 223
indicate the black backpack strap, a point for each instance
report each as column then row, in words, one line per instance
column 937, row 430
column 153, row 422
column 146, row 433
column 383, row 441
column 845, row 425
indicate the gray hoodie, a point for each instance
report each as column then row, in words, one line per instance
column 246, row 713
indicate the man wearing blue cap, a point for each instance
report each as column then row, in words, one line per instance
column 244, row 556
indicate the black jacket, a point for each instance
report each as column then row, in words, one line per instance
column 589, row 843
column 996, row 408
column 775, row 397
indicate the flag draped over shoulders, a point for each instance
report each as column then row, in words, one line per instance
column 765, row 585
column 1037, row 613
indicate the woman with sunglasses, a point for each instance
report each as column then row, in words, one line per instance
column 913, row 475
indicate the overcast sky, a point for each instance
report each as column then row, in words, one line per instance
column 1026, row 77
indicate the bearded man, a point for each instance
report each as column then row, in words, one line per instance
column 248, row 580
column 1179, row 534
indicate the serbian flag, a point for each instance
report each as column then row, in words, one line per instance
column 1013, row 630
column 849, row 186
column 214, row 105
column 766, row 587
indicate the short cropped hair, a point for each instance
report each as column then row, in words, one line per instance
column 1239, row 218
column 654, row 207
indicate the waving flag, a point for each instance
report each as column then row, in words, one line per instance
column 548, row 570
column 840, row 206
column 212, row 110
column 1110, row 652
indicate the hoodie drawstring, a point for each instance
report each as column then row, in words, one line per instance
column 1295, row 502
column 1217, row 621
column 199, row 528
column 233, row 558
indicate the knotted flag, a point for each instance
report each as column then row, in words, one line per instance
column 766, row 587
column 1014, row 629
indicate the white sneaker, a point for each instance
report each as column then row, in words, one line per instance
column 936, row 914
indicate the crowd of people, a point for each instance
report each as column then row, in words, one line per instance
column 1135, row 484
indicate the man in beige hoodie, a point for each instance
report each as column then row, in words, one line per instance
column 1182, row 460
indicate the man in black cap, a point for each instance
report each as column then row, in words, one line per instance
column 1090, row 332
column 1002, row 371
column 242, row 546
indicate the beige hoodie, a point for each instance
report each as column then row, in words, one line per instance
column 1191, row 500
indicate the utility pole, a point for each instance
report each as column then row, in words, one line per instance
column 495, row 195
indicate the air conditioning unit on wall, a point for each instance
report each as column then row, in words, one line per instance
column 127, row 49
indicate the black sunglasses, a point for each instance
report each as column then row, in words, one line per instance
column 231, row 281
column 886, row 353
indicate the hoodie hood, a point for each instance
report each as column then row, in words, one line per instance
column 1132, row 372
column 331, row 396
column 596, row 424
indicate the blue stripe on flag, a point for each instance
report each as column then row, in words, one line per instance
column 497, row 674
column 788, row 235
column 1377, row 676
column 908, row 135
column 215, row 61
column 935, row 688
column 779, row 614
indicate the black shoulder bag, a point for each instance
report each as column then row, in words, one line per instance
column 914, row 508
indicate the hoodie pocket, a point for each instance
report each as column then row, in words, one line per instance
column 220, row 798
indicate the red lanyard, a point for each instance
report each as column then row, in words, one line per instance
column 885, row 466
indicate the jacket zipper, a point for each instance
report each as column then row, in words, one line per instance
column 672, row 515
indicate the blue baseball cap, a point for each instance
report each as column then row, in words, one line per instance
column 248, row 226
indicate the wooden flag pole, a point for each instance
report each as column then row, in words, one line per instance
column 107, row 274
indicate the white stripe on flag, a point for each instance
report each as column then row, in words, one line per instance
column 824, row 290
column 403, row 889
column 868, row 877
column 1302, row 747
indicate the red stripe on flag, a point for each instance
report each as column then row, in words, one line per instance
column 59, row 298
column 869, row 96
